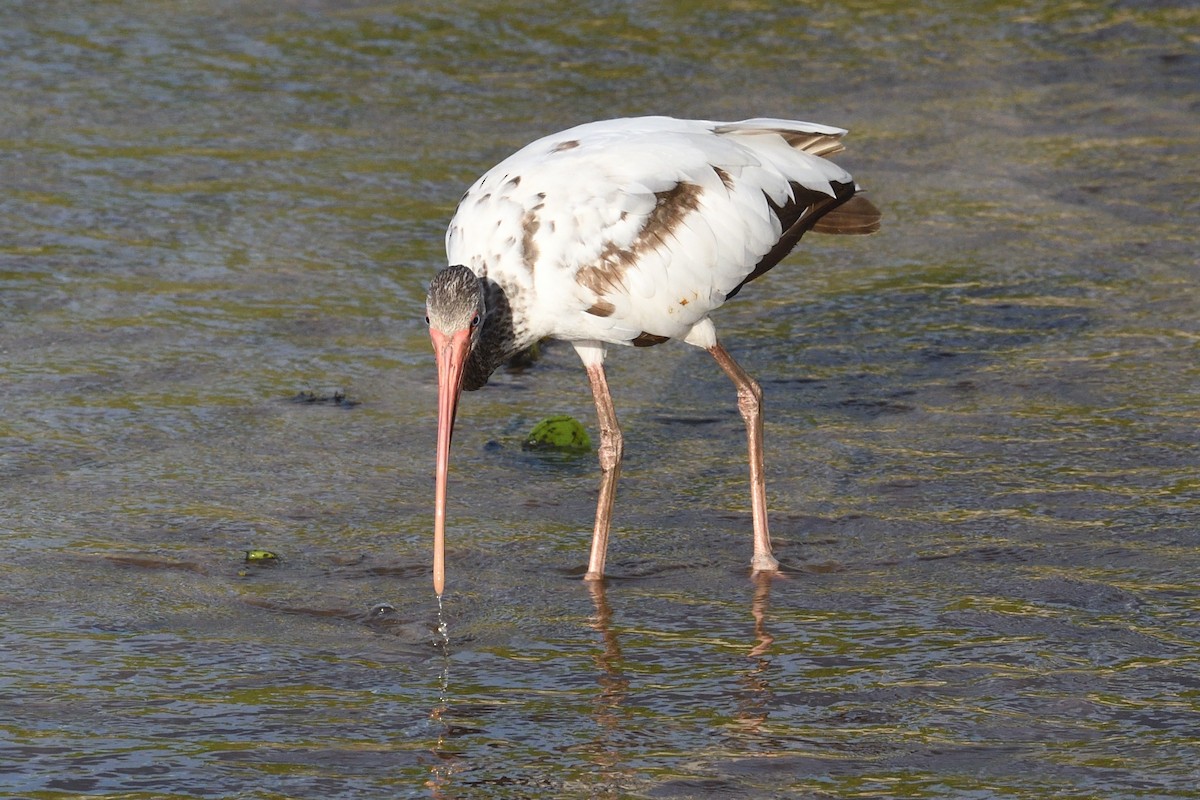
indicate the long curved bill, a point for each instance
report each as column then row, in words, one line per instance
column 451, row 353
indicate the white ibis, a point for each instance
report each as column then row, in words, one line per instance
column 628, row 232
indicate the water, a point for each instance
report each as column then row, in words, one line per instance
column 981, row 422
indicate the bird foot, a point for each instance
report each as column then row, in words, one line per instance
column 764, row 564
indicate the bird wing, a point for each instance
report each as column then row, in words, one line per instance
column 633, row 230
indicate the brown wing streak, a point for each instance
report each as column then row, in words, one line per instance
column 607, row 274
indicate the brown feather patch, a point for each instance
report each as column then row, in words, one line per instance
column 819, row 144
column 670, row 208
column 725, row 177
column 649, row 339
column 529, row 228
column 858, row 215
column 602, row 308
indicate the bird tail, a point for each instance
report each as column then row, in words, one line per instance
column 856, row 216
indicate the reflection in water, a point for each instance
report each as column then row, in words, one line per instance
column 608, row 707
column 755, row 704
column 758, row 608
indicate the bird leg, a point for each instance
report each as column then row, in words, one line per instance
column 611, row 449
column 750, row 406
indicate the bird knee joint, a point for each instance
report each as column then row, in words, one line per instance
column 610, row 457
column 610, row 451
column 750, row 399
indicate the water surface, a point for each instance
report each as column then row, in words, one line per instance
column 981, row 422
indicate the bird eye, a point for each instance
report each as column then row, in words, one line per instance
column 475, row 321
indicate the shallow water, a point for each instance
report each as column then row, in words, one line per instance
column 981, row 422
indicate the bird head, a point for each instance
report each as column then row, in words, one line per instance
column 455, row 311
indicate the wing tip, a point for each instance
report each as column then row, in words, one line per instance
column 855, row 217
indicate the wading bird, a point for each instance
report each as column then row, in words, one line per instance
column 628, row 232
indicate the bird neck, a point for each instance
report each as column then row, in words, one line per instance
column 500, row 337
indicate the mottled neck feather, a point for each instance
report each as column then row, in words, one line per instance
column 499, row 338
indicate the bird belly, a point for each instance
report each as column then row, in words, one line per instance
column 648, row 321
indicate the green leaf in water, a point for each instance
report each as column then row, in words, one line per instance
column 261, row 557
column 563, row 433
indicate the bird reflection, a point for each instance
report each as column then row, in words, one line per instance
column 758, row 609
column 756, row 700
column 610, row 712
column 608, row 705
column 755, row 697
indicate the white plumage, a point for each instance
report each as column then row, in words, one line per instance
column 628, row 231
column 553, row 209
